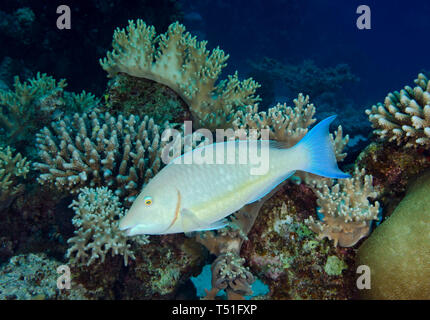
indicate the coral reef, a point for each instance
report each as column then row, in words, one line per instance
column 286, row 255
column 306, row 77
column 398, row 251
column 36, row 103
column 287, row 125
column 96, row 149
column 19, row 25
column 404, row 117
column 392, row 168
column 347, row 212
column 228, row 270
column 28, row 24
column 179, row 61
column 13, row 171
column 29, row 277
column 162, row 267
column 97, row 232
column 143, row 97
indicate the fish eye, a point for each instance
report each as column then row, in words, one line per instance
column 147, row 201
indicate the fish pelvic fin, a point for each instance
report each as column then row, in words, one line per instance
column 316, row 152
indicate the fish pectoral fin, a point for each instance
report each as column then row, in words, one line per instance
column 215, row 225
column 190, row 222
column 265, row 190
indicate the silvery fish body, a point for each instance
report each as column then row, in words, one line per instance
column 199, row 189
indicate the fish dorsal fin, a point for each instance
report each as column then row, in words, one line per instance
column 215, row 225
column 190, row 222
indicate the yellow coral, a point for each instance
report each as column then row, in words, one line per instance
column 177, row 60
column 404, row 116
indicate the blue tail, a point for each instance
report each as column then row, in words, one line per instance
column 317, row 152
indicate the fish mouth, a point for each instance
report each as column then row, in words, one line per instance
column 131, row 230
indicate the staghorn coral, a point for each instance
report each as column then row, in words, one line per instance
column 97, row 149
column 97, row 212
column 13, row 169
column 179, row 61
column 404, row 117
column 35, row 103
column 346, row 209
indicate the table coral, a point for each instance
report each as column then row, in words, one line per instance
column 404, row 117
column 177, row 60
column 13, row 169
column 347, row 212
column 97, row 233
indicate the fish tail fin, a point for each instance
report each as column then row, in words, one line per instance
column 316, row 152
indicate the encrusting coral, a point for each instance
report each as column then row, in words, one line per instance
column 287, row 256
column 36, row 103
column 346, row 209
column 13, row 168
column 404, row 117
column 97, row 212
column 177, row 60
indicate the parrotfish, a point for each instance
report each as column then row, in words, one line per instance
column 189, row 195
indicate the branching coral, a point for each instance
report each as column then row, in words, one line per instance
column 286, row 124
column 346, row 209
column 97, row 149
column 404, row 117
column 12, row 170
column 228, row 273
column 97, row 212
column 36, row 103
column 177, row 60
